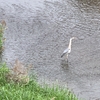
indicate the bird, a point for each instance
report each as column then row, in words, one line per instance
column 68, row 49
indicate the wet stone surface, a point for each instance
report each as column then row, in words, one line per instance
column 39, row 31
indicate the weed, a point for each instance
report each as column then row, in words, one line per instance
column 19, row 73
column 2, row 28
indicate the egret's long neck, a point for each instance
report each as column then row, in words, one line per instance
column 70, row 43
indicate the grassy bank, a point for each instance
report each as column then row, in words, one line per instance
column 2, row 28
column 30, row 91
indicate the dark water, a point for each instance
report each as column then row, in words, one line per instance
column 38, row 32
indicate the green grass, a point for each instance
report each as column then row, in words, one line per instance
column 1, row 36
column 31, row 90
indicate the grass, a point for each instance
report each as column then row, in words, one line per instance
column 30, row 91
column 2, row 28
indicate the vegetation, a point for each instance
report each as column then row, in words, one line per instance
column 12, row 90
column 2, row 28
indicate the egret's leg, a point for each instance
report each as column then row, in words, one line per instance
column 67, row 57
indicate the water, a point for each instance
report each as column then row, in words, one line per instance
column 39, row 31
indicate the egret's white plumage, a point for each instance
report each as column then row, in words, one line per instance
column 68, row 49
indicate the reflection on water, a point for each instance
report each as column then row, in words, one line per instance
column 64, row 64
column 89, row 2
column 89, row 5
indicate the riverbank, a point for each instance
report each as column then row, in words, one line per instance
column 31, row 90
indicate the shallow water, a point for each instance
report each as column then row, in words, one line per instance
column 38, row 32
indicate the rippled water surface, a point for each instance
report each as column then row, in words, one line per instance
column 38, row 32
